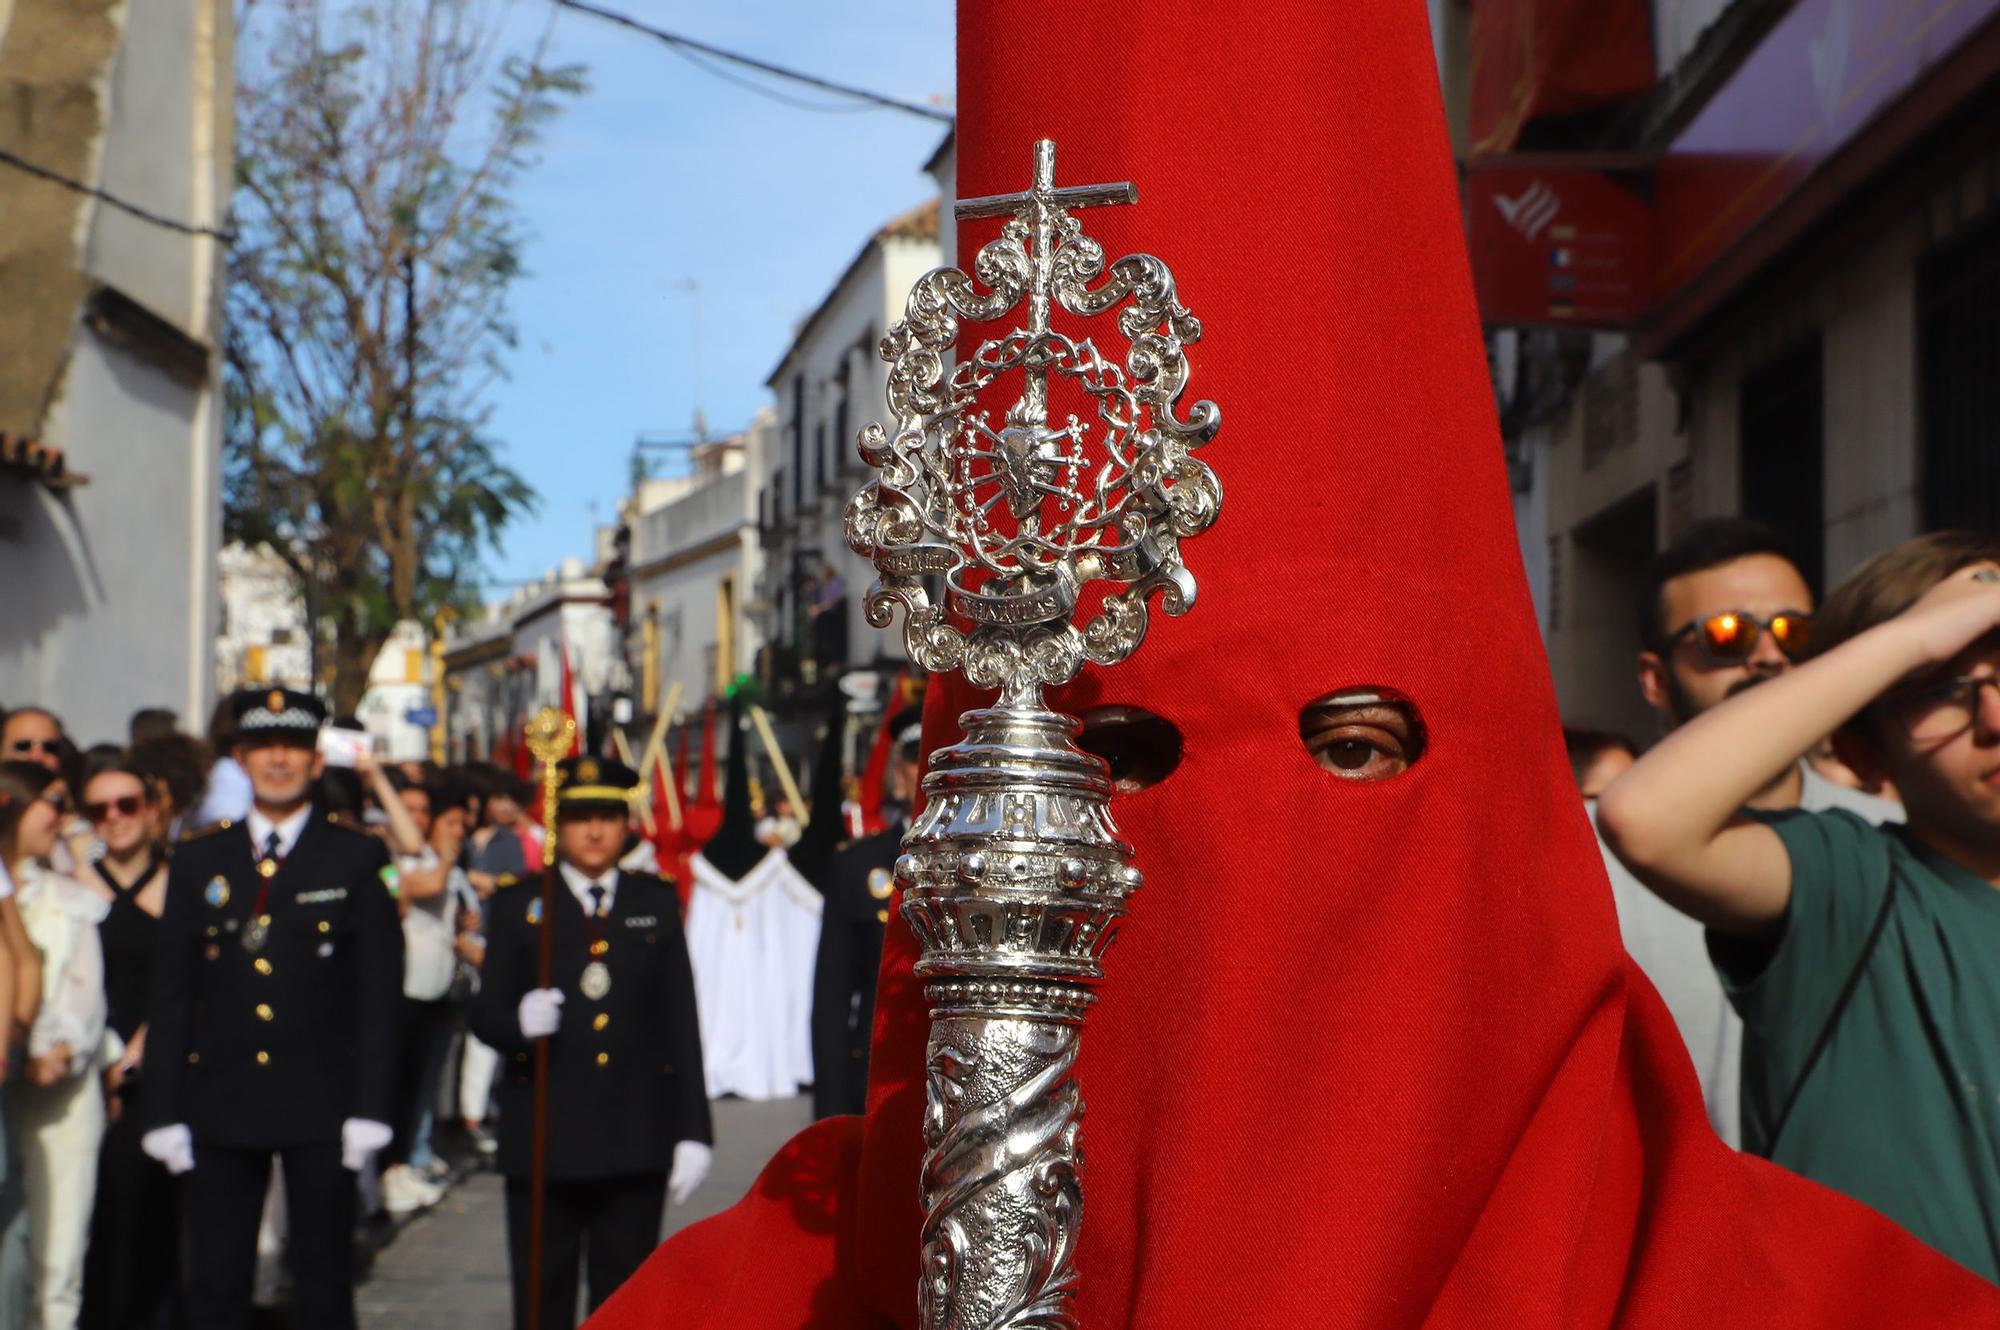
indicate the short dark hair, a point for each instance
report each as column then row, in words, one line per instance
column 222, row 725
column 152, row 723
column 1707, row 544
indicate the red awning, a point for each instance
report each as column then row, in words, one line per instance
column 1531, row 58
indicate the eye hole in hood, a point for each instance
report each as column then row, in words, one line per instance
column 1366, row 733
column 1142, row 749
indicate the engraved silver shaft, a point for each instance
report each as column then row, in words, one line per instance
column 1014, row 879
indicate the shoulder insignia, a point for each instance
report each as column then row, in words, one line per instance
column 201, row 833
column 348, row 822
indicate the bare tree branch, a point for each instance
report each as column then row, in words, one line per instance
column 379, row 142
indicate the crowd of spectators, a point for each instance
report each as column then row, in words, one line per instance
column 88, row 1234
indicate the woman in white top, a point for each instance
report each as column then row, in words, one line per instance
column 59, row 1109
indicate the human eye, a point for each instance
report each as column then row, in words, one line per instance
column 1362, row 734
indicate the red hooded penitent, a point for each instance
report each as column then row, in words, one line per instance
column 1369, row 1054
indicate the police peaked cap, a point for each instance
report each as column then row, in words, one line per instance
column 585, row 782
column 263, row 712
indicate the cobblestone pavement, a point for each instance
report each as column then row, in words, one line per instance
column 448, row 1269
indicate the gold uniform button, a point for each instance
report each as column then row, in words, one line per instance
column 264, row 1012
column 599, row 947
column 602, row 1019
column 325, row 926
column 261, row 965
column 262, row 1057
column 603, row 1059
column 193, row 1058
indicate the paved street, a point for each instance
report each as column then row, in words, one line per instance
column 448, row 1269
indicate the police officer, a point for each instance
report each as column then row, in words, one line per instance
column 275, row 996
column 857, row 891
column 628, row 1121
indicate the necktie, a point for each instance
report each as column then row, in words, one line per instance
column 272, row 845
column 596, row 901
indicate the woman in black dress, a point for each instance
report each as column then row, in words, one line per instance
column 133, row 1231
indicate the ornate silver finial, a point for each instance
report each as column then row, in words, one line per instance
column 1015, row 877
column 1017, row 517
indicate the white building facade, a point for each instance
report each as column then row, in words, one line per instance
column 695, row 561
column 829, row 383
column 263, row 637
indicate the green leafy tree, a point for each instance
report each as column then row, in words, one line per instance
column 377, row 145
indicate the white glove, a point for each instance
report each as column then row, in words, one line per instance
column 541, row 1012
column 172, row 1146
column 690, row 1167
column 359, row 1138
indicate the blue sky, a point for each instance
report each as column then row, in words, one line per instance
column 663, row 173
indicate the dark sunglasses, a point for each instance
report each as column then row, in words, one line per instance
column 35, row 745
column 125, row 805
column 1730, row 638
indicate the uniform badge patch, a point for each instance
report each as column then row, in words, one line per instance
column 325, row 950
column 217, row 893
column 596, row 980
column 880, row 885
column 643, row 921
column 535, row 910
column 320, row 897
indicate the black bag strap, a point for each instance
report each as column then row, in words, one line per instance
column 1833, row 1017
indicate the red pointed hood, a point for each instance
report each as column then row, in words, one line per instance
column 703, row 813
column 1368, row 1054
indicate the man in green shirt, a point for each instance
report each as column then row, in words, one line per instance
column 1865, row 961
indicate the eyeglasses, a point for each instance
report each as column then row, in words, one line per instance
column 51, row 746
column 1945, row 709
column 125, row 805
column 1731, row 637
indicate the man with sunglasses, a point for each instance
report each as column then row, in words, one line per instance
column 1723, row 610
column 31, row 734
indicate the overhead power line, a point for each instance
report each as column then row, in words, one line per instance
column 688, row 46
column 103, row 196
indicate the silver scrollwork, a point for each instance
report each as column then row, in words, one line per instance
column 1015, row 878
